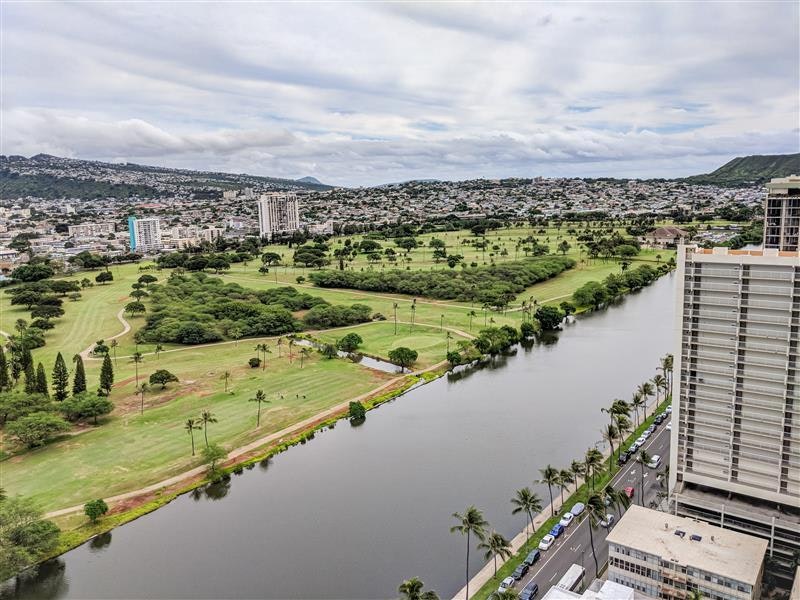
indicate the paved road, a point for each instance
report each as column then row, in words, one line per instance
column 573, row 546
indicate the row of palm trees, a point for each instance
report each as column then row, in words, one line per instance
column 472, row 524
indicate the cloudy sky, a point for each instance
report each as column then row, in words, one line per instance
column 368, row 93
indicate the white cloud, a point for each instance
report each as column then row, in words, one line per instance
column 363, row 93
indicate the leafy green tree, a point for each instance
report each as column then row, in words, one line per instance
column 207, row 417
column 16, row 404
column 41, row 381
column 191, row 426
column 135, row 307
column 549, row 317
column 94, row 509
column 564, row 247
column 5, row 381
column 32, row 272
column 550, row 477
column 356, row 412
column 528, row 503
column 36, row 428
column 162, row 377
column 86, row 406
column 30, row 379
column 104, row 277
column 470, row 523
column 350, row 342
column 411, row 589
column 79, row 380
column 24, row 536
column 260, row 398
column 60, row 379
column 403, row 357
column 592, row 294
column 568, row 308
column 329, row 351
column 496, row 545
column 106, row 375
column 211, row 455
column 147, row 279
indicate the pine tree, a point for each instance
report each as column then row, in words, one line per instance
column 30, row 379
column 5, row 382
column 60, row 379
column 107, row 375
column 25, row 358
column 79, row 382
column 41, row 381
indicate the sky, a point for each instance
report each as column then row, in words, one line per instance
column 370, row 93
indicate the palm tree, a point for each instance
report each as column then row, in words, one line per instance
column 304, row 353
column 623, row 425
column 660, row 383
column 578, row 470
column 259, row 398
column 279, row 344
column 666, row 368
column 528, row 502
column 565, row 477
column 695, row 595
column 263, row 348
column 595, row 512
column 504, row 595
column 191, row 426
column 411, row 589
column 137, row 358
column 646, row 390
column 114, row 344
column 470, row 523
column 642, row 458
column 471, row 314
column 636, row 403
column 158, row 350
column 593, row 460
column 610, row 434
column 141, row 390
column 394, row 306
column 226, row 376
column 207, row 417
column 618, row 499
column 496, row 545
column 413, row 311
column 290, row 345
column 550, row 477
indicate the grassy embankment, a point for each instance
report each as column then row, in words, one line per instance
column 583, row 492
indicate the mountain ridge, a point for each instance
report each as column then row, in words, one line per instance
column 750, row 170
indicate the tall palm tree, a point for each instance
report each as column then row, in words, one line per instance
column 291, row 345
column 623, row 425
column 593, row 460
column 411, row 589
column 528, row 502
column 636, row 404
column 279, row 344
column 207, row 417
column 471, row 314
column 304, row 353
column 496, row 545
column 642, row 458
column 660, row 383
column 394, row 306
column 141, row 390
column 469, row 524
column 646, row 390
column 550, row 477
column 191, row 426
column 263, row 348
column 259, row 398
column 578, row 469
column 610, row 434
column 114, row 344
column 137, row 358
column 617, row 498
column 565, row 478
column 595, row 512
column 226, row 376
column 666, row 368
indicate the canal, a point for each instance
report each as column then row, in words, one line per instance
column 359, row 509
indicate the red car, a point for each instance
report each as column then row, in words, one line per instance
column 629, row 491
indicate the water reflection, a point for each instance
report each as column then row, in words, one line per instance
column 39, row 583
column 100, row 542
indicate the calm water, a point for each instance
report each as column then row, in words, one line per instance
column 357, row 510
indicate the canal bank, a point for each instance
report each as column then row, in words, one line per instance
column 370, row 506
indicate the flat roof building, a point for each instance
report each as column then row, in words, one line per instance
column 278, row 213
column 782, row 213
column 145, row 234
column 666, row 556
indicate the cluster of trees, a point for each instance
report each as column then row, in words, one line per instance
column 140, row 291
column 25, row 537
column 35, row 414
column 597, row 293
column 87, row 260
column 196, row 309
column 495, row 284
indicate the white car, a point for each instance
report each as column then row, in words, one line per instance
column 506, row 584
column 645, row 434
column 640, row 441
column 608, row 521
column 566, row 520
column 669, row 408
column 546, row 542
column 577, row 509
column 655, row 461
column 669, row 426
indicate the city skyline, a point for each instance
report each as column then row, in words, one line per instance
column 371, row 94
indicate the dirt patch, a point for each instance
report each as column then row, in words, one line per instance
column 133, row 404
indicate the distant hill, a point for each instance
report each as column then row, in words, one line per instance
column 748, row 170
column 309, row 179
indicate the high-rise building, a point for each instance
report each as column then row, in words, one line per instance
column 145, row 234
column 665, row 556
column 735, row 452
column 782, row 214
column 278, row 213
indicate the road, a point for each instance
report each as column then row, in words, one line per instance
column 573, row 546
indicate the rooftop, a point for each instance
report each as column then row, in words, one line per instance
column 691, row 543
column 597, row 590
column 783, row 183
column 725, row 251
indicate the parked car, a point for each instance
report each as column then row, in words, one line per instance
column 629, row 491
column 506, row 584
column 529, row 592
column 634, row 447
column 520, row 571
column 557, row 530
column 577, row 508
column 645, row 434
column 640, row 441
column 608, row 521
column 623, row 458
column 658, row 419
column 669, row 409
column 566, row 520
column 546, row 542
column 651, row 429
column 655, row 461
column 532, row 557
column 669, row 426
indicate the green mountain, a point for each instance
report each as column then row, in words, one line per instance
column 749, row 170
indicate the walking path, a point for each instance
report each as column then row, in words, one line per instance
column 126, row 327
column 247, row 448
column 487, row 572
